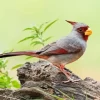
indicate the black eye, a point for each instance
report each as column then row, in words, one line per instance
column 80, row 30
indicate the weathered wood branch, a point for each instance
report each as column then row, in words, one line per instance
column 43, row 81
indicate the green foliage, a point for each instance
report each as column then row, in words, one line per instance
column 5, row 80
column 3, row 64
column 37, row 34
column 36, row 39
column 17, row 66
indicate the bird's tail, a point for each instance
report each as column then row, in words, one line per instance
column 28, row 53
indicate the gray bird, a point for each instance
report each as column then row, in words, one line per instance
column 65, row 50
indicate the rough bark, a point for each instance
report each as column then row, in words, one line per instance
column 43, row 81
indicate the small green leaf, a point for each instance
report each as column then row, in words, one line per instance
column 8, row 50
column 6, row 62
column 36, row 42
column 27, row 38
column 49, row 25
column 15, row 84
column 34, row 36
column 47, row 38
column 28, row 29
column 11, row 50
column 36, row 29
column 2, row 64
column 42, row 25
column 29, row 57
column 17, row 66
column 2, row 86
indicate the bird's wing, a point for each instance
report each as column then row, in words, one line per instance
column 51, row 49
column 63, row 46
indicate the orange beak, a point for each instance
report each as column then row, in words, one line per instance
column 88, row 32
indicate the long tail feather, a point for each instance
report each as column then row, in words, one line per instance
column 9, row 54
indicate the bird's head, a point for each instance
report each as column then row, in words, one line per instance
column 82, row 29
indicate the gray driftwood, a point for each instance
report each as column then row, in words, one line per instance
column 43, row 81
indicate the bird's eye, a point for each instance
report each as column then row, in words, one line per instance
column 80, row 30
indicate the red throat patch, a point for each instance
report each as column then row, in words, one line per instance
column 85, row 37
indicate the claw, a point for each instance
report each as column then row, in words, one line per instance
column 71, row 80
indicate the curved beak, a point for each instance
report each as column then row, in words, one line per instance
column 88, row 31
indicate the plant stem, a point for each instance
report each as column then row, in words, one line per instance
column 41, row 39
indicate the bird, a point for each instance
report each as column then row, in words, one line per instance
column 63, row 51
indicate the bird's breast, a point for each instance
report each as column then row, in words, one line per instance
column 65, row 58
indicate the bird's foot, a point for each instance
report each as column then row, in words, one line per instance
column 71, row 80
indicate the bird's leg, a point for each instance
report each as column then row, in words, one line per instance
column 68, row 75
column 65, row 71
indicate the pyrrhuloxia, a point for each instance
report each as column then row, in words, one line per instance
column 63, row 51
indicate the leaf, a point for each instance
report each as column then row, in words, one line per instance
column 29, row 57
column 27, row 38
column 42, row 25
column 11, row 50
column 36, row 29
column 2, row 64
column 5, row 80
column 6, row 62
column 17, row 66
column 8, row 50
column 28, row 29
column 47, row 39
column 2, row 86
column 36, row 42
column 15, row 84
column 34, row 36
column 49, row 25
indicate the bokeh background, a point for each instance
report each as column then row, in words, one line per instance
column 15, row 15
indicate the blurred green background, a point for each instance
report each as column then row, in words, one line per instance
column 15, row 15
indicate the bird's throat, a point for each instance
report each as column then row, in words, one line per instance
column 85, row 37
